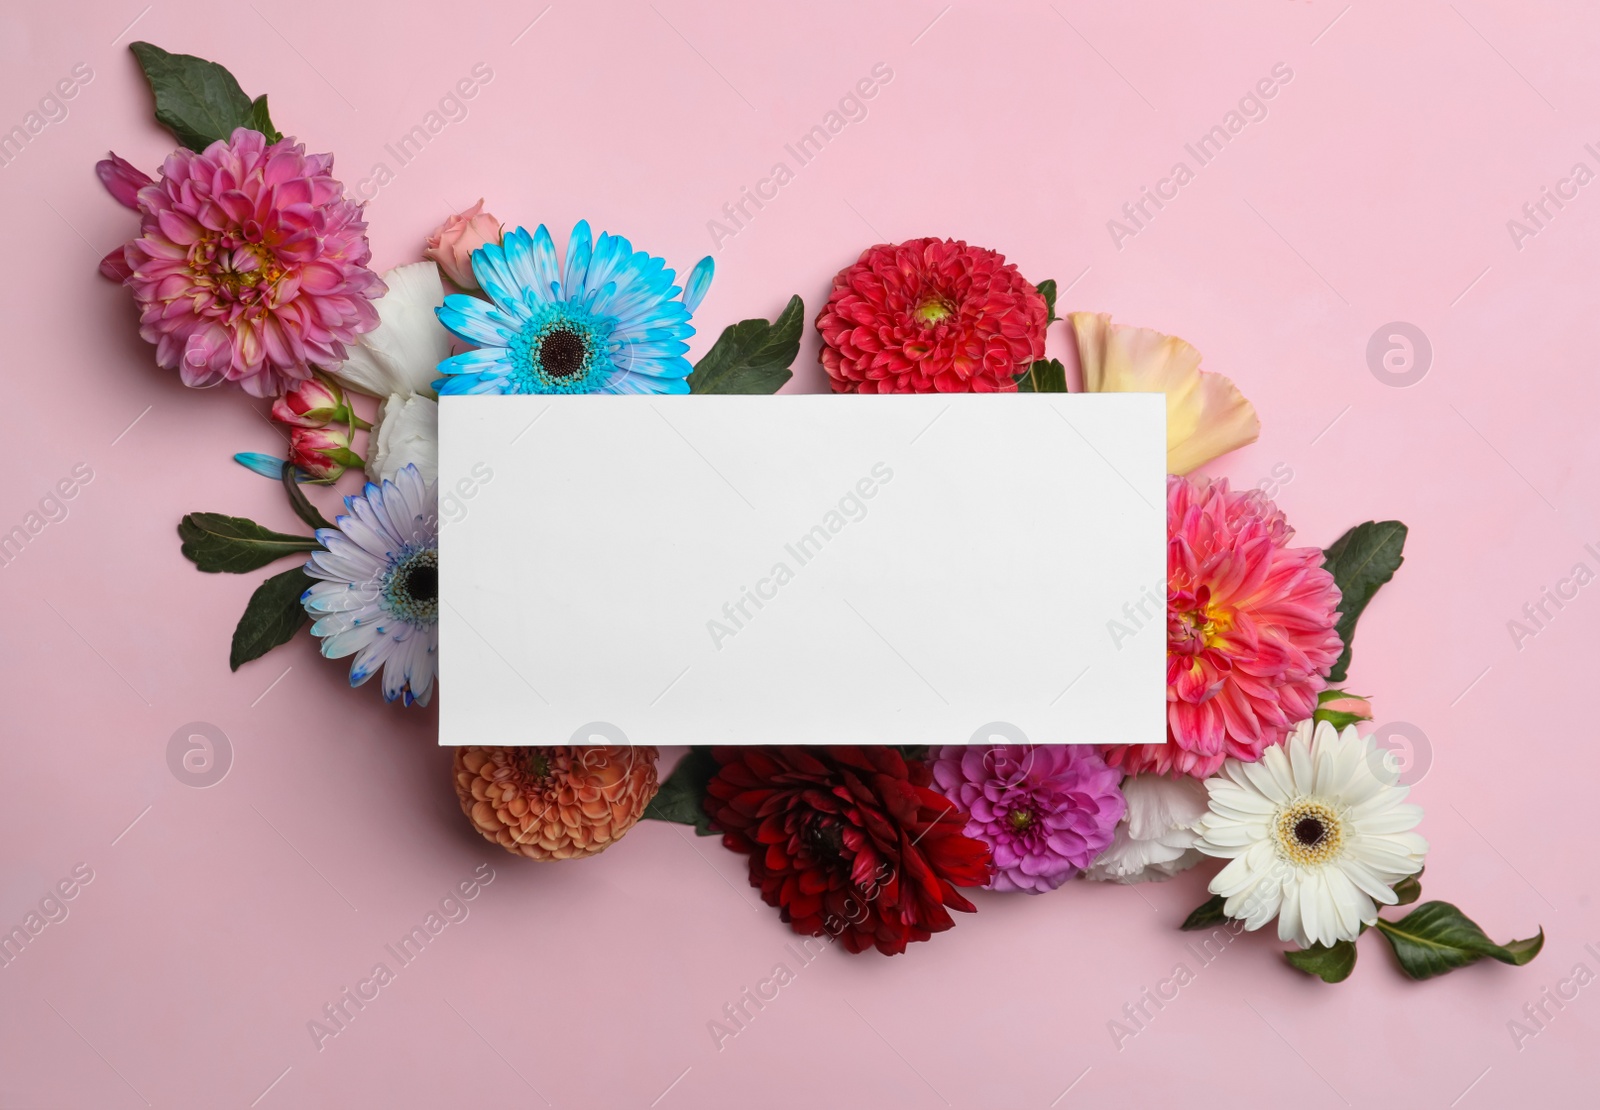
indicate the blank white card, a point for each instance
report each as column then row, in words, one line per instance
column 806, row 569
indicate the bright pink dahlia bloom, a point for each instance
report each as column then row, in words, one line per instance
column 1250, row 636
column 930, row 316
column 1046, row 810
column 250, row 265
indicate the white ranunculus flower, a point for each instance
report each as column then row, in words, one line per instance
column 1156, row 839
column 402, row 354
column 1317, row 833
column 407, row 431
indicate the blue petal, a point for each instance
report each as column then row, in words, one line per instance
column 699, row 280
column 475, row 321
column 268, row 466
column 490, row 268
column 579, row 250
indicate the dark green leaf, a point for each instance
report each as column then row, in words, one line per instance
column 1436, row 937
column 302, row 506
column 260, row 121
column 1330, row 964
column 214, row 542
column 681, row 798
column 751, row 356
column 198, row 101
column 1207, row 914
column 1408, row 889
column 1361, row 560
column 1047, row 290
column 1044, row 376
column 273, row 616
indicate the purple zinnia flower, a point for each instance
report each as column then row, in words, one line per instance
column 1047, row 810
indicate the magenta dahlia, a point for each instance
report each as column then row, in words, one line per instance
column 1046, row 810
column 250, row 265
column 930, row 316
column 1250, row 631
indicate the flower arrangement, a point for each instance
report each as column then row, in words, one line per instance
column 250, row 267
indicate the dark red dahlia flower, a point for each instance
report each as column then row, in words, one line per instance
column 930, row 316
column 847, row 841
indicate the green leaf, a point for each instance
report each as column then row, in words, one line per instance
column 1330, row 964
column 215, row 542
column 681, row 798
column 1047, row 290
column 1436, row 937
column 1206, row 914
column 302, row 506
column 1044, row 376
column 273, row 616
column 198, row 101
column 260, row 121
column 1408, row 889
column 752, row 356
column 1361, row 560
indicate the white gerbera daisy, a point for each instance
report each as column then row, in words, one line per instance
column 1317, row 833
column 379, row 595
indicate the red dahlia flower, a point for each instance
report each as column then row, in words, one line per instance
column 847, row 841
column 930, row 316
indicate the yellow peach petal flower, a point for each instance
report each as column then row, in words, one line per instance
column 1207, row 416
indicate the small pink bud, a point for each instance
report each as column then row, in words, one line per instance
column 311, row 403
column 323, row 453
column 452, row 244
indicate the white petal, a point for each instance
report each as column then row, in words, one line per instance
column 407, row 431
column 402, row 354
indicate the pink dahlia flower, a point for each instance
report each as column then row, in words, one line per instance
column 930, row 316
column 1250, row 631
column 250, row 265
column 1046, row 810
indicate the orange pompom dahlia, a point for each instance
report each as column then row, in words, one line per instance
column 555, row 803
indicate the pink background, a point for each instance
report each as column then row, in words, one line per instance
column 220, row 921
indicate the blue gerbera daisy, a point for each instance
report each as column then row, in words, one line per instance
column 608, row 321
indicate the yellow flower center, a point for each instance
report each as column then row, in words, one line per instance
column 1309, row 833
column 932, row 311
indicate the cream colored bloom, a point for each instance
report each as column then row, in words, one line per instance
column 1157, row 837
column 1207, row 416
column 407, row 431
column 402, row 354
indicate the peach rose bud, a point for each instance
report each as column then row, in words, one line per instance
column 451, row 246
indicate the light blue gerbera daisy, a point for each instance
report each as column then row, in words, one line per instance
column 609, row 321
column 377, row 597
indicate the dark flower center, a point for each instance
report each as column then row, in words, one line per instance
column 826, row 839
column 561, row 352
column 1021, row 819
column 422, row 582
column 1309, row 831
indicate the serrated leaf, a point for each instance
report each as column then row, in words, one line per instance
column 1207, row 914
column 1436, row 938
column 1408, row 889
column 681, row 798
column 273, row 616
column 302, row 506
column 1044, row 376
column 217, row 543
column 198, row 101
column 752, row 356
column 1330, row 963
column 1047, row 290
column 1361, row 560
